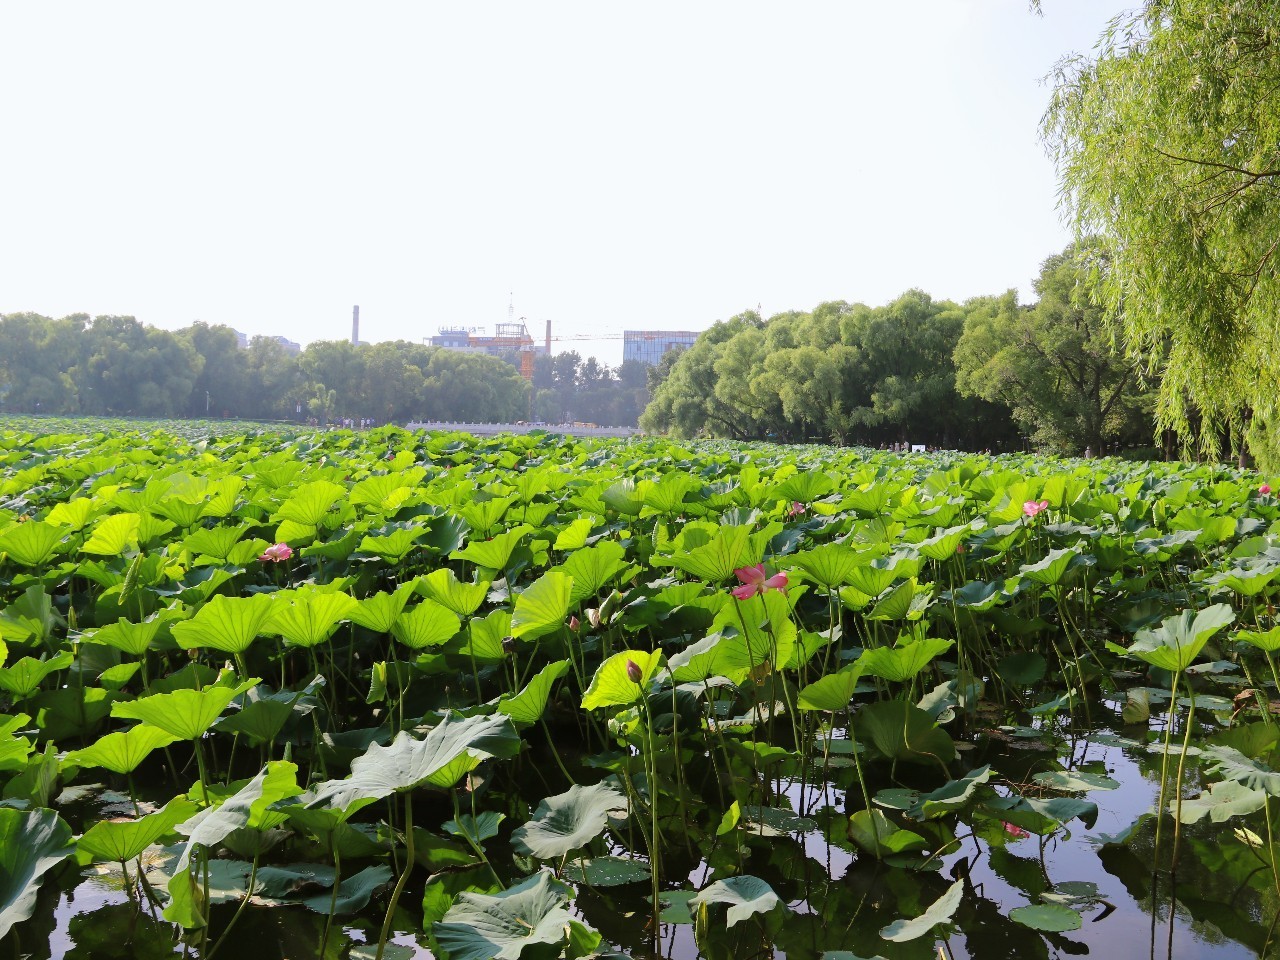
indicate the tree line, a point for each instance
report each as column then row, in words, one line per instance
column 990, row 373
column 117, row 366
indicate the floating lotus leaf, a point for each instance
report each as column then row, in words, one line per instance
column 940, row 911
column 499, row 926
column 1049, row 917
column 746, row 896
column 563, row 823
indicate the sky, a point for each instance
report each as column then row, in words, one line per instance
column 604, row 166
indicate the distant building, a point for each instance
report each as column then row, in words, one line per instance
column 243, row 339
column 648, row 346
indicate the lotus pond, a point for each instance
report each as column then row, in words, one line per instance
column 407, row 695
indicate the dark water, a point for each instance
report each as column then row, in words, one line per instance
column 836, row 899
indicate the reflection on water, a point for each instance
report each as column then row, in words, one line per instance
column 838, row 899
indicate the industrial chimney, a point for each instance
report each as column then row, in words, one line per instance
column 355, row 326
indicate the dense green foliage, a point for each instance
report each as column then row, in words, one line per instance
column 1055, row 364
column 115, row 366
column 987, row 374
column 1168, row 143
column 845, row 373
column 511, row 674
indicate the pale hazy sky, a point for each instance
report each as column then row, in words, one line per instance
column 650, row 165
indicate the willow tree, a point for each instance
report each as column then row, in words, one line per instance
column 1168, row 148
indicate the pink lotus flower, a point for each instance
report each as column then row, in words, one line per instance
column 1032, row 508
column 1014, row 830
column 1264, row 489
column 276, row 553
column 797, row 509
column 754, row 581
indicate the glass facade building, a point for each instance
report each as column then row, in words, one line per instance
column 648, row 346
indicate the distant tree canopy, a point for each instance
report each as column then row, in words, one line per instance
column 1168, row 146
column 118, row 366
column 843, row 373
column 986, row 374
column 1054, row 364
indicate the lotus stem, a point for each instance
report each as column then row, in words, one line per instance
column 404, row 876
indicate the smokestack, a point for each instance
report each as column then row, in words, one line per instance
column 355, row 325
column 548, row 338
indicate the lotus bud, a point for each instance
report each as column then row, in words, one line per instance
column 509, row 645
column 634, row 673
column 574, row 624
column 1264, row 489
column 593, row 616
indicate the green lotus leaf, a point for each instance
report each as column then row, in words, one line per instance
column 30, row 618
column 907, row 601
column 563, row 823
column 950, row 796
column 379, row 611
column 591, row 568
column 543, row 607
column 132, row 638
column 33, row 543
column 214, row 543
column 1229, row 763
column 24, row 677
column 113, row 536
column 576, row 534
column 732, row 548
column 453, row 748
column 1221, row 802
column 1049, row 917
column 310, row 502
column 626, row 496
column 528, row 705
column 276, row 781
column 745, row 895
column 493, row 554
column 875, row 833
column 229, row 624
column 264, row 715
column 485, row 636
column 1051, row 570
column 902, row 731
column 31, row 844
column 831, row 693
column 444, row 587
column 901, row 663
column 123, row 751
column 499, row 926
column 426, row 625
column 354, row 893
column 612, row 685
column 118, row 841
column 940, row 911
column 830, row 565
column 307, row 617
column 186, row 714
column 1267, row 641
column 1178, row 640
column 804, row 487
column 393, row 547
column 668, row 496
column 606, row 871
column 1075, row 781
column 942, row 545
